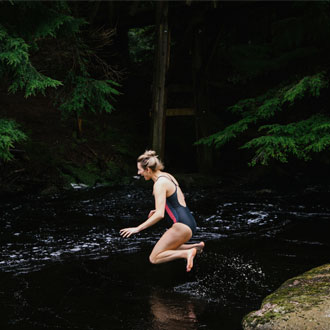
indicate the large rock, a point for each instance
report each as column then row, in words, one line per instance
column 301, row 303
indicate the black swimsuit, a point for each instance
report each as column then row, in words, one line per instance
column 175, row 212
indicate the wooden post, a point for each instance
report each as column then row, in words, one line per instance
column 160, row 68
column 204, row 153
column 79, row 126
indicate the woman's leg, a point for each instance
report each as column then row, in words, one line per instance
column 199, row 246
column 166, row 248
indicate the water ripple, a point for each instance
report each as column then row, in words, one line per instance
column 37, row 231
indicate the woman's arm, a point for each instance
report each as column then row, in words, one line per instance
column 160, row 201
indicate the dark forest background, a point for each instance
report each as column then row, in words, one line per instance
column 248, row 82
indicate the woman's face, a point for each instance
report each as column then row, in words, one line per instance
column 146, row 173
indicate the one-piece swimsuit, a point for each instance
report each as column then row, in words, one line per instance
column 175, row 212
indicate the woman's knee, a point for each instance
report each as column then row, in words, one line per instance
column 152, row 259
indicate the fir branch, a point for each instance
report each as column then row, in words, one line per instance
column 310, row 85
column 9, row 135
column 54, row 21
column 230, row 132
column 89, row 94
column 263, row 108
column 15, row 59
column 298, row 139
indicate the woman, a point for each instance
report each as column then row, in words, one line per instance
column 169, row 198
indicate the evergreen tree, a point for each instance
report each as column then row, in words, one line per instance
column 291, row 116
column 9, row 134
column 44, row 46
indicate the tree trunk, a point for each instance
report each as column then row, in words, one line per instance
column 204, row 153
column 160, row 68
column 79, row 127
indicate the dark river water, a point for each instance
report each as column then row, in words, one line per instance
column 63, row 264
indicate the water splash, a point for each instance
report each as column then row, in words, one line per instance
column 225, row 279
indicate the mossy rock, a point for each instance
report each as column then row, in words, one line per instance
column 90, row 174
column 302, row 302
column 86, row 175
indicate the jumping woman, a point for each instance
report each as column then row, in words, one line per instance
column 169, row 203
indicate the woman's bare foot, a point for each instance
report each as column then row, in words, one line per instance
column 190, row 258
column 200, row 246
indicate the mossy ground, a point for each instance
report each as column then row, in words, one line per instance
column 54, row 154
column 297, row 295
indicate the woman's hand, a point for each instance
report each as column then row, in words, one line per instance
column 127, row 232
column 151, row 213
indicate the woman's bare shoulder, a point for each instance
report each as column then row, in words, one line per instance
column 173, row 178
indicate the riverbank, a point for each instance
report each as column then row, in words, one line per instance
column 302, row 302
column 54, row 157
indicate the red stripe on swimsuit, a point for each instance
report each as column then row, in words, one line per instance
column 170, row 213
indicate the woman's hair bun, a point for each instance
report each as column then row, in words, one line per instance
column 150, row 159
column 150, row 153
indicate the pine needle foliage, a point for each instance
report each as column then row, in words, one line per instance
column 89, row 95
column 141, row 44
column 44, row 47
column 282, row 60
column 298, row 139
column 10, row 134
column 279, row 141
column 15, row 62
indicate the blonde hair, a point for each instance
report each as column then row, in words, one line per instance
column 151, row 160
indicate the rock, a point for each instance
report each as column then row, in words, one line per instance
column 78, row 186
column 51, row 190
column 264, row 191
column 301, row 303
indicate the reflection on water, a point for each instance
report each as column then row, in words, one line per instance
column 64, row 265
column 169, row 313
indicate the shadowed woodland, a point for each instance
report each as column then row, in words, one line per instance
column 234, row 97
column 233, row 89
